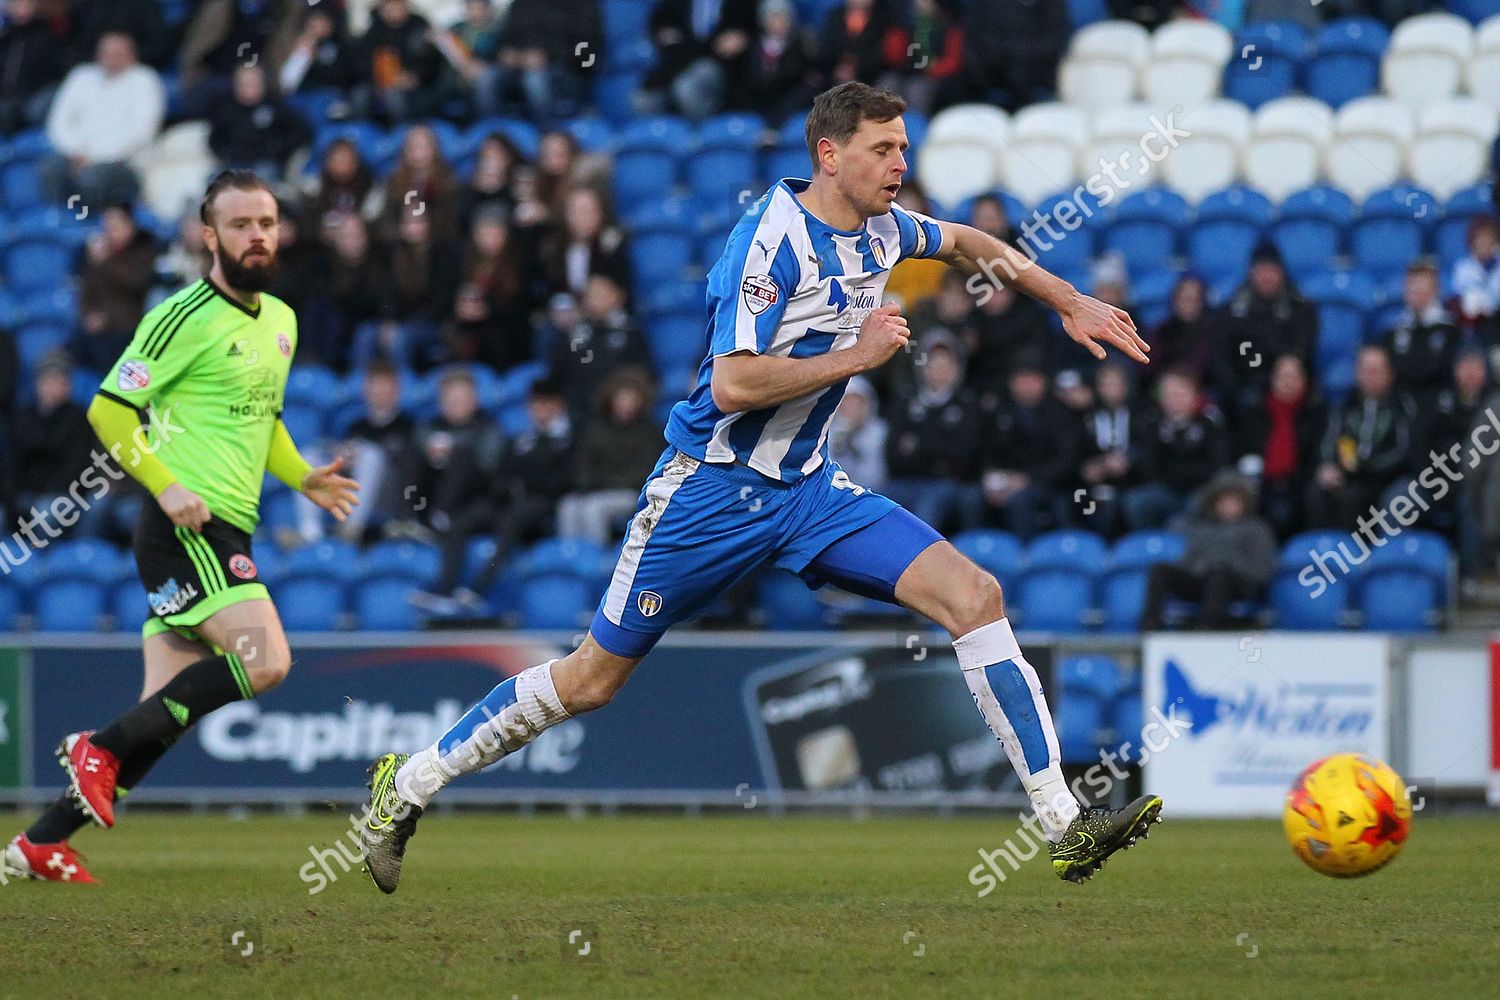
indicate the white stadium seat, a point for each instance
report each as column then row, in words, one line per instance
column 1287, row 147
column 960, row 156
column 1426, row 58
column 175, row 168
column 1452, row 146
column 1187, row 63
column 1042, row 155
column 1103, row 64
column 1369, row 146
column 1209, row 158
column 1482, row 75
column 1115, row 137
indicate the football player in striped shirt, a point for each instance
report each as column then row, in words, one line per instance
column 795, row 310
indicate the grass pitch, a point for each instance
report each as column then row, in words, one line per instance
column 747, row 906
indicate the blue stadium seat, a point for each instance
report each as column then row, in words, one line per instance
column 1082, row 727
column 304, row 422
column 1122, row 593
column 314, row 105
column 1151, row 296
column 1424, row 552
column 658, row 210
column 1391, row 229
column 998, row 552
column 1475, row 11
column 682, row 295
column 316, row 386
column 625, row 21
column 10, row 605
column 1145, row 228
column 1095, row 676
column 68, row 605
column 785, row 161
column 1449, row 234
column 1127, row 718
column 50, row 305
column 38, row 262
column 1346, row 60
column 381, row 604
column 310, row 603
column 737, row 130
column 577, row 556
column 1067, row 549
column 415, row 561
column 82, row 559
column 1077, row 247
column 519, row 131
column 1057, row 599
column 592, row 133
column 677, row 341
column 1398, row 599
column 366, row 136
column 788, row 604
column 1268, row 60
column 660, row 255
column 1229, row 224
column 556, row 600
column 632, row 57
column 615, row 89
column 21, row 186
column 1310, row 230
column 127, row 604
column 1345, row 300
column 34, row 341
column 725, row 174
column 29, row 144
column 1302, row 595
column 269, row 562
column 329, row 557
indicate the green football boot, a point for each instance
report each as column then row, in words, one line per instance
column 389, row 823
column 1096, row 833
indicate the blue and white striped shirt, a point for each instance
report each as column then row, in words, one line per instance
column 791, row 286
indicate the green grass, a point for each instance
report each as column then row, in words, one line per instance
column 750, row 906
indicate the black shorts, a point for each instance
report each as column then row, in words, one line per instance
column 189, row 576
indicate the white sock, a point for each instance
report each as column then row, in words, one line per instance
column 1009, row 695
column 508, row 718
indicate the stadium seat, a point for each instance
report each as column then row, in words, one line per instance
column 1082, row 727
column 998, row 552
column 1345, row 300
column 523, row 134
column 647, row 154
column 557, row 600
column 1452, row 145
column 1042, row 155
column 1422, row 552
column 1482, row 74
column 1076, row 249
column 676, row 341
column 625, row 21
column 1267, row 59
column 724, row 173
column 21, row 186
column 1056, row 589
column 592, row 133
column 1449, row 236
column 1286, row 153
column 382, row 604
column 577, row 556
column 10, row 606
column 303, row 422
column 1210, row 160
column 314, row 385
column 417, row 562
column 1127, row 718
column 1426, row 59
column 1095, row 676
column 128, row 607
column 68, row 605
column 788, row 603
column 1122, row 592
column 1145, row 229
column 39, row 263
column 1229, row 224
column 1115, row 138
column 1396, row 599
column 1187, row 63
column 1369, row 148
column 1310, row 230
column 1476, row 12
column 960, row 156
column 34, row 341
column 310, row 603
column 1311, row 594
column 1151, row 296
column 1345, row 64
column 82, row 559
column 1103, row 64
column 1390, row 231
column 328, row 557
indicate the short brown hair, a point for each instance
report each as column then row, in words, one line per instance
column 239, row 180
column 1424, row 266
column 836, row 114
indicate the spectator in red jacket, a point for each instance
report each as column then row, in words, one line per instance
column 924, row 57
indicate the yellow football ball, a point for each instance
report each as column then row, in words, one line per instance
column 1347, row 815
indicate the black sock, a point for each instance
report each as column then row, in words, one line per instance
column 135, row 767
column 59, row 821
column 183, row 700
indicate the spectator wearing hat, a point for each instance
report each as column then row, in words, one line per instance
column 617, row 449
column 1179, row 447
column 119, row 266
column 1032, row 445
column 1264, row 319
column 857, row 437
column 1229, row 556
column 1424, row 342
column 1366, row 447
column 932, row 441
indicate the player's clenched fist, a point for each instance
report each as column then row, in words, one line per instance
column 882, row 334
column 183, row 507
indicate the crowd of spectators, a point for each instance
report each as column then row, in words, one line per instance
column 992, row 419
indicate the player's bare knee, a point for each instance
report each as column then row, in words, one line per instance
column 270, row 673
column 976, row 603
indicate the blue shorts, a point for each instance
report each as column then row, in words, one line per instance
column 700, row 528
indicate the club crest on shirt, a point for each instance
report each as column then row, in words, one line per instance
column 649, row 601
column 133, row 375
column 877, row 248
column 242, row 566
column 759, row 293
column 284, row 345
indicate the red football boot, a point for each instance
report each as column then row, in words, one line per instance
column 92, row 772
column 49, row 862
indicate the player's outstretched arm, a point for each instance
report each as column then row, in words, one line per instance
column 744, row 381
column 1087, row 320
column 323, row 485
column 118, row 426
